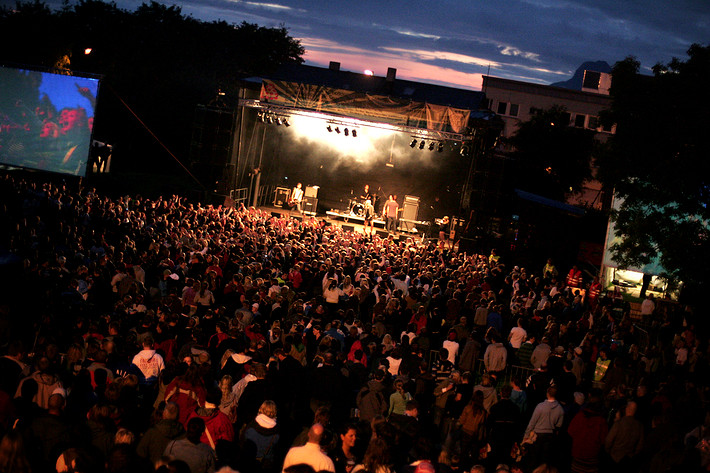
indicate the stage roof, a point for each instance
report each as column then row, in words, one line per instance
column 395, row 101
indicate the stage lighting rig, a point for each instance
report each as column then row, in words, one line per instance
column 422, row 144
column 431, row 146
column 346, row 132
column 354, row 133
column 440, row 148
column 329, row 128
column 413, row 144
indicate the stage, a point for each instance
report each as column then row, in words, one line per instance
column 352, row 222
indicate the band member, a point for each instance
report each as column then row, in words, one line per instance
column 369, row 215
column 389, row 212
column 297, row 198
column 367, row 195
column 444, row 241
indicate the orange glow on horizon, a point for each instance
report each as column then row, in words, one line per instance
column 406, row 68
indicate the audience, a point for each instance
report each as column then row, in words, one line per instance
column 162, row 335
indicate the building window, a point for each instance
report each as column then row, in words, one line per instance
column 567, row 118
column 608, row 128
column 513, row 112
column 591, row 80
column 579, row 121
column 502, row 107
column 593, row 123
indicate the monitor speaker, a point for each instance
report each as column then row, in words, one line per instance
column 311, row 191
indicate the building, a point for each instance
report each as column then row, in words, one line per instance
column 516, row 102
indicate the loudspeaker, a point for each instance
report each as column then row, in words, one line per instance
column 410, row 210
column 311, row 191
column 382, row 234
column 310, row 204
column 348, row 228
column 281, row 195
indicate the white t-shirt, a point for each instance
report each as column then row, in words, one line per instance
column 453, row 349
column 517, row 337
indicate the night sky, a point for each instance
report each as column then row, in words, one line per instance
column 454, row 42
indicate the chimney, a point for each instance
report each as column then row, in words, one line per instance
column 391, row 73
column 334, row 66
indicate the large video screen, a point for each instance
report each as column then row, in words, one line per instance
column 46, row 120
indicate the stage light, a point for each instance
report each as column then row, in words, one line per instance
column 346, row 131
column 329, row 128
column 413, row 144
column 279, row 121
column 262, row 117
column 287, row 122
column 464, row 151
column 87, row 51
column 422, row 144
column 431, row 146
column 441, row 147
column 337, row 130
column 354, row 133
column 271, row 119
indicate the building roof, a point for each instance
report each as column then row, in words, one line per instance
column 545, row 90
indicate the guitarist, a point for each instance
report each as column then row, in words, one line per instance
column 296, row 198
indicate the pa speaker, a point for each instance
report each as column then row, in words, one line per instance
column 348, row 228
column 310, row 204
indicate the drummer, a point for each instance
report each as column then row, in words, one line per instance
column 367, row 195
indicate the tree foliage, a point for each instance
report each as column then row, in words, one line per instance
column 658, row 164
column 553, row 158
column 161, row 62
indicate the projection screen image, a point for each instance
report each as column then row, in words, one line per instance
column 46, row 120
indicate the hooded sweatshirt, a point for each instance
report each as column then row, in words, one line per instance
column 546, row 419
column 490, row 396
column 154, row 441
column 150, row 363
column 263, row 433
column 371, row 401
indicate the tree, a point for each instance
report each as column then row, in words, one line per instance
column 553, row 158
column 658, row 164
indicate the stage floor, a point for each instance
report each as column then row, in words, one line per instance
column 348, row 221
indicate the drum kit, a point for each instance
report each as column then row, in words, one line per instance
column 355, row 208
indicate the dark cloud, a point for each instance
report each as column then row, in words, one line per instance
column 539, row 40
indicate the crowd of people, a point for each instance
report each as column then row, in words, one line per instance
column 146, row 335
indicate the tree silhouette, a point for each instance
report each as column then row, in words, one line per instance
column 553, row 158
column 658, row 164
